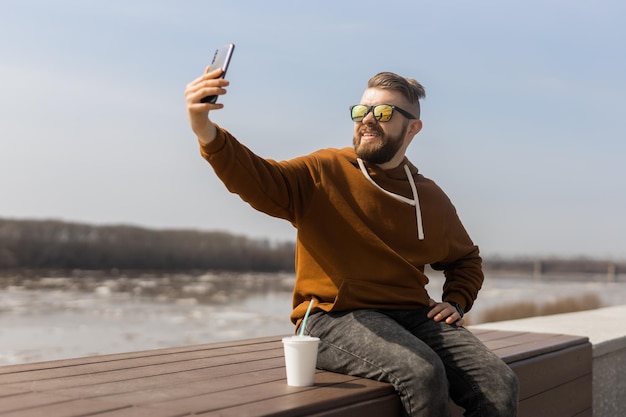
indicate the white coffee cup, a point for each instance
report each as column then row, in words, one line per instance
column 300, row 359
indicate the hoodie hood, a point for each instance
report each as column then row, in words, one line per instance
column 413, row 202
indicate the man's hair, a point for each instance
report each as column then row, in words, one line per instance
column 408, row 87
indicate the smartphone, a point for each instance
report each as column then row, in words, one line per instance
column 221, row 59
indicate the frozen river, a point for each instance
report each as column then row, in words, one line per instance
column 57, row 318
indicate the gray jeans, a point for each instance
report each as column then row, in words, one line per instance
column 427, row 362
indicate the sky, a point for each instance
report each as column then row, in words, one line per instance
column 523, row 116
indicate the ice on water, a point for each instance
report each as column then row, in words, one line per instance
column 63, row 319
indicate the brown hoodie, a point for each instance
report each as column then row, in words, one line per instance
column 364, row 234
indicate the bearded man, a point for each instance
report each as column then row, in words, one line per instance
column 367, row 224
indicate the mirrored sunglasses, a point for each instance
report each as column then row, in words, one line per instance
column 381, row 112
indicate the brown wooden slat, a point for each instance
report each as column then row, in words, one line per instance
column 329, row 394
column 91, row 366
column 566, row 400
column 520, row 349
column 520, row 338
column 7, row 391
column 585, row 413
column 541, row 373
column 64, row 363
column 164, row 381
column 135, row 368
column 388, row 406
column 76, row 408
column 241, row 378
column 28, row 400
column 253, row 393
column 177, row 391
column 175, row 372
column 514, row 346
column 138, row 412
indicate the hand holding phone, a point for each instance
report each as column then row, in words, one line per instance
column 221, row 59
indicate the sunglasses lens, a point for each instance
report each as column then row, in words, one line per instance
column 383, row 112
column 358, row 112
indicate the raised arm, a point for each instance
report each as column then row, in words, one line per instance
column 207, row 84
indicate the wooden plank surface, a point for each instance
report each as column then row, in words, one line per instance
column 247, row 378
column 553, row 369
column 570, row 399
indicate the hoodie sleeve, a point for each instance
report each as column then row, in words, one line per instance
column 462, row 267
column 464, row 279
column 275, row 188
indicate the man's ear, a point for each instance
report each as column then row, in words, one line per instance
column 415, row 127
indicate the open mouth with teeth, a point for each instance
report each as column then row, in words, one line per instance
column 370, row 134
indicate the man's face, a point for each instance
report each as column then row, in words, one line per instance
column 379, row 142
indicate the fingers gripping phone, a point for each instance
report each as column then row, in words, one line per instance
column 221, row 59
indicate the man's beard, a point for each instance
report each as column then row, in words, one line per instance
column 383, row 151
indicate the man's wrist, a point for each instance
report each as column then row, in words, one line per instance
column 208, row 135
column 458, row 308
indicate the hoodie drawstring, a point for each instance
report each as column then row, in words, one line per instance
column 413, row 202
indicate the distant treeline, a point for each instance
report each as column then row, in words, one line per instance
column 50, row 244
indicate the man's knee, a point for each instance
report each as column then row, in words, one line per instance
column 511, row 393
column 505, row 398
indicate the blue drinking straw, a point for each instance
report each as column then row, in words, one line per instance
column 306, row 316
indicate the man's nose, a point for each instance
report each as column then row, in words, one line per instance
column 369, row 118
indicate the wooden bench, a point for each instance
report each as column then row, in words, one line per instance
column 247, row 378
